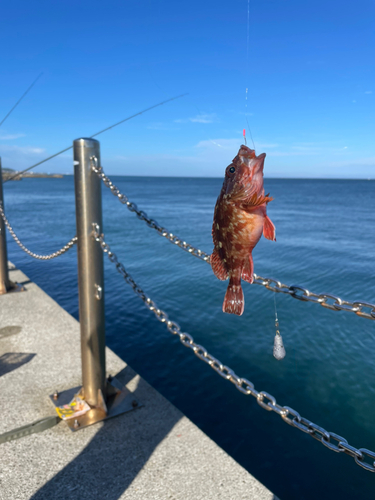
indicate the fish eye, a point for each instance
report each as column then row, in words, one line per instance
column 232, row 170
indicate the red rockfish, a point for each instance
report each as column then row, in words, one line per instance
column 240, row 218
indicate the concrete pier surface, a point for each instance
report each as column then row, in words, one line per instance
column 153, row 452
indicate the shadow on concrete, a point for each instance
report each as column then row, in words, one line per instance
column 12, row 360
column 25, row 282
column 106, row 467
column 8, row 331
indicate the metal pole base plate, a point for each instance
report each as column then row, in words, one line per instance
column 119, row 400
column 13, row 287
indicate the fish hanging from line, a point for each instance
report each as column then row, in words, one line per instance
column 240, row 218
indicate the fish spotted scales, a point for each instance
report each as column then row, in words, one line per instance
column 240, row 218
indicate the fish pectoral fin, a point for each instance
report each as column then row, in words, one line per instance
column 218, row 266
column 238, row 194
column 248, row 270
column 269, row 230
column 255, row 201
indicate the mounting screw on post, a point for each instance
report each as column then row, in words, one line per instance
column 4, row 274
column 90, row 270
column 98, row 293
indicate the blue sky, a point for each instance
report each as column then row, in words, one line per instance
column 309, row 70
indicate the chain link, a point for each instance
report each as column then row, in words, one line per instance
column 64, row 249
column 143, row 216
column 360, row 308
column 331, row 440
column 324, row 299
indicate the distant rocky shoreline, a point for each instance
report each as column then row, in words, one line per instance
column 8, row 173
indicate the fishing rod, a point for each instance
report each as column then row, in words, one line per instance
column 94, row 135
column 20, row 99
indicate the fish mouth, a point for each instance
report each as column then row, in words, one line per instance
column 259, row 165
column 246, row 152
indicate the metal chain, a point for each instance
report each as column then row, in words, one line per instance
column 64, row 249
column 329, row 439
column 143, row 216
column 324, row 299
column 297, row 292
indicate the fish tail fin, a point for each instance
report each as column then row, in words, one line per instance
column 234, row 302
column 248, row 270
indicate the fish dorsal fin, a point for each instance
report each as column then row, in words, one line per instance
column 218, row 266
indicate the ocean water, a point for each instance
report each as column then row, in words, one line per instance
column 325, row 242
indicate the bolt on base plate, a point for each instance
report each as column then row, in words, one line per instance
column 119, row 400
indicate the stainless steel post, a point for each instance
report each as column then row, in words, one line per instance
column 4, row 274
column 90, row 271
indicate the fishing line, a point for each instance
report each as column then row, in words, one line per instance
column 278, row 347
column 20, row 99
column 94, row 135
column 194, row 103
column 202, row 114
column 251, row 137
column 248, row 70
